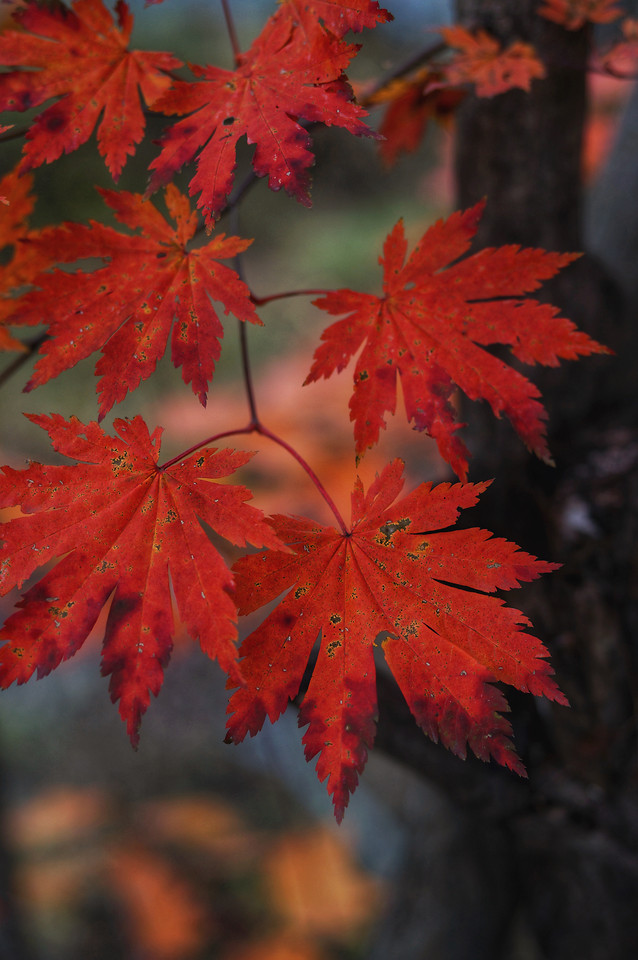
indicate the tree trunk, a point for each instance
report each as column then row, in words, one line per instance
column 555, row 857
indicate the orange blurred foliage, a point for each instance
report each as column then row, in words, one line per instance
column 313, row 419
column 166, row 917
column 165, row 861
column 316, row 887
column 279, row 947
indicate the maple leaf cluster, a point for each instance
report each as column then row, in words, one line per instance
column 126, row 533
column 477, row 60
column 292, row 75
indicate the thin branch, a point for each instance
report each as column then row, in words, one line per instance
column 232, row 33
column 416, row 60
column 13, row 133
column 243, row 333
column 203, row 443
column 262, row 301
column 246, row 372
column 249, row 181
column 265, row 432
column 32, row 347
column 256, row 427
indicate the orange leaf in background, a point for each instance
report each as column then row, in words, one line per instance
column 60, row 814
column 127, row 307
column 55, row 838
column 412, row 105
column 394, row 573
column 316, row 887
column 80, row 55
column 430, row 328
column 120, row 524
column 201, row 823
column 167, row 920
column 276, row 947
column 281, row 81
column 482, row 61
column 574, row 14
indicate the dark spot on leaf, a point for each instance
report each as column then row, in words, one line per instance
column 52, row 121
column 388, row 529
column 287, row 620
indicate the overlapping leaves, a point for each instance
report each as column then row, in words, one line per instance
column 124, row 529
column 284, row 80
column 81, row 56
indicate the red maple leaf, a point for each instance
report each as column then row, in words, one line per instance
column 338, row 16
column 431, row 326
column 127, row 307
column 122, row 526
column 392, row 573
column 282, row 81
column 81, row 56
column 574, row 14
column 482, row 61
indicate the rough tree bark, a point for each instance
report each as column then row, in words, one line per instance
column 556, row 857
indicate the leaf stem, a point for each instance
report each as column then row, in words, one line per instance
column 367, row 97
column 248, row 380
column 202, row 443
column 262, row 301
column 12, row 133
column 232, row 33
column 243, row 333
column 265, row 432
column 257, row 427
column 31, row 347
